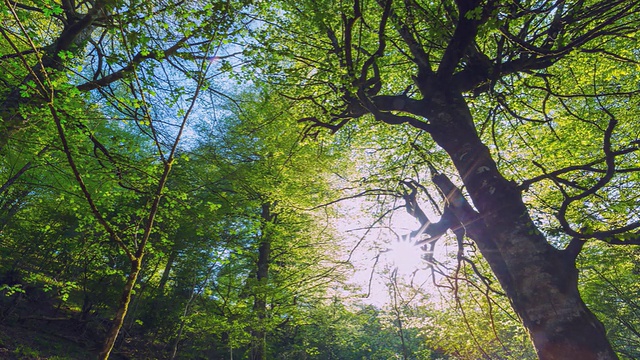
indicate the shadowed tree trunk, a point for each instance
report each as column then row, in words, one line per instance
column 258, row 333
column 459, row 50
column 173, row 255
column 123, row 307
column 540, row 281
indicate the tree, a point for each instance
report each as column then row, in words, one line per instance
column 534, row 104
column 267, row 184
column 98, row 44
column 113, row 48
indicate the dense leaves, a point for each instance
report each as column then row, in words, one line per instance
column 173, row 176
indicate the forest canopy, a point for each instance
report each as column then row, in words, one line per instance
column 198, row 179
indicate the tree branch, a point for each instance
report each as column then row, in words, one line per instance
column 463, row 36
column 137, row 59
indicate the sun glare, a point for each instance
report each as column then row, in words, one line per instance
column 406, row 256
column 403, row 253
column 374, row 250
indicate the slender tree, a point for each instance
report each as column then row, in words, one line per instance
column 114, row 49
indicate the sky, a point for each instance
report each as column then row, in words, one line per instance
column 379, row 251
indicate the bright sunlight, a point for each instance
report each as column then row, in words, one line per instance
column 402, row 252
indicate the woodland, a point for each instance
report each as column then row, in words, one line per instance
column 314, row 179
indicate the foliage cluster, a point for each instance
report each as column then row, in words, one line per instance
column 168, row 170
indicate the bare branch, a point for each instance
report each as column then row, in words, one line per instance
column 588, row 167
column 137, row 59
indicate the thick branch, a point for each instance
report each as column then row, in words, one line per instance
column 388, row 117
column 463, row 37
column 137, row 59
column 434, row 230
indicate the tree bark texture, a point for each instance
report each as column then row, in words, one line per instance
column 123, row 306
column 539, row 280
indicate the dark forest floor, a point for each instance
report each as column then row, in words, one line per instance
column 38, row 330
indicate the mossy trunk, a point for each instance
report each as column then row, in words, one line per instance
column 123, row 306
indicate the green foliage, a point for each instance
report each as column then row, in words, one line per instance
column 609, row 287
column 10, row 290
column 333, row 330
column 249, row 190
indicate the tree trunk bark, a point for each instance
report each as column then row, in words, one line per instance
column 118, row 320
column 540, row 280
column 258, row 333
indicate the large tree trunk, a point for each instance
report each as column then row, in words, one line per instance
column 540, row 280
